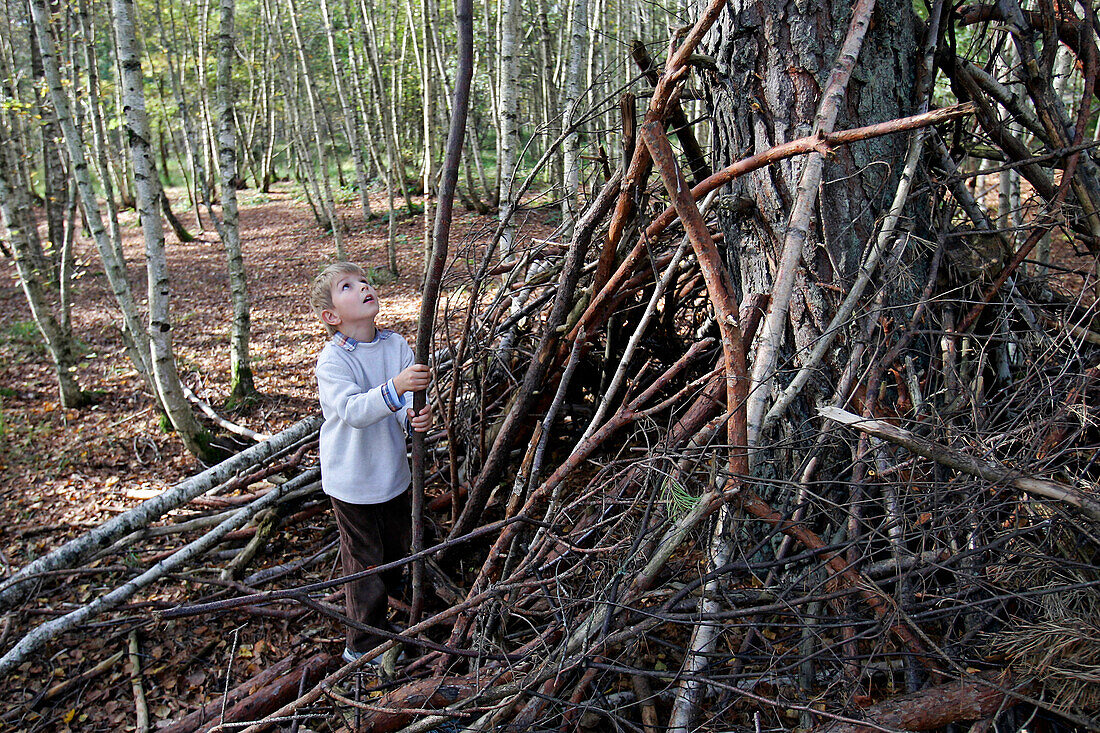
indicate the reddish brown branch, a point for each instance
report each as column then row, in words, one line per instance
column 597, row 310
column 718, row 287
column 933, row 708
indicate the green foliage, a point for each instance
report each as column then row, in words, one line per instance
column 345, row 194
column 23, row 337
column 680, row 501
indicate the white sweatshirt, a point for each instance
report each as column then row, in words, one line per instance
column 363, row 456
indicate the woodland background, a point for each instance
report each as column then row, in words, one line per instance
column 765, row 350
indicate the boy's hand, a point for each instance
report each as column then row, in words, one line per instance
column 413, row 378
column 421, row 423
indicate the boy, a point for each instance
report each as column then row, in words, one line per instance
column 363, row 377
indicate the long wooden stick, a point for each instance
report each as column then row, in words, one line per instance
column 141, row 709
column 718, row 288
column 983, row 468
column 663, row 94
column 464, row 15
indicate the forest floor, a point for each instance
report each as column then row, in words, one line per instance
column 63, row 471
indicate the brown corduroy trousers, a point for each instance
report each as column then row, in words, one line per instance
column 370, row 535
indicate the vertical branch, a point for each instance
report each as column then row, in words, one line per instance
column 463, row 75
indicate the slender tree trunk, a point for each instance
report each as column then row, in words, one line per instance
column 428, row 97
column 300, row 159
column 192, row 140
column 148, row 191
column 550, row 122
column 124, row 180
column 327, row 201
column 350, row 118
column 55, row 187
column 509, row 116
column 434, row 274
column 240, row 381
column 110, row 250
column 396, row 161
column 571, row 111
column 15, row 210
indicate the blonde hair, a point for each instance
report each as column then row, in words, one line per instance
column 320, row 294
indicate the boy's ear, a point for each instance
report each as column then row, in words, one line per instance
column 330, row 317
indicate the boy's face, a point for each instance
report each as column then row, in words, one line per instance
column 354, row 301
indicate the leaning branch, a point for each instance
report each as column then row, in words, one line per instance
column 34, row 641
column 74, row 552
column 989, row 470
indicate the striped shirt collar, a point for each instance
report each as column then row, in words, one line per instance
column 347, row 343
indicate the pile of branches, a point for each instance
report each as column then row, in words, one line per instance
column 638, row 517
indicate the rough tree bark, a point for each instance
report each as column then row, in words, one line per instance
column 773, row 61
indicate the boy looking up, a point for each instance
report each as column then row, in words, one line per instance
column 364, row 379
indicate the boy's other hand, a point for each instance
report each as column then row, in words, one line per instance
column 422, row 422
column 413, row 378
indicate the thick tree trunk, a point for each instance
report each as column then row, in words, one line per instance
column 773, row 61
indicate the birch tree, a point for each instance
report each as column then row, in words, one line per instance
column 350, row 117
column 571, row 111
column 508, row 129
column 148, row 191
column 327, row 201
column 109, row 247
column 241, row 384
column 16, row 214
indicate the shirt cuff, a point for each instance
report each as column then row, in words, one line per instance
column 393, row 400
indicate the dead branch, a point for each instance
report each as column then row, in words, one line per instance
column 265, row 699
column 982, row 468
column 935, row 707
column 76, row 551
column 35, row 639
column 141, row 709
column 207, row 713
